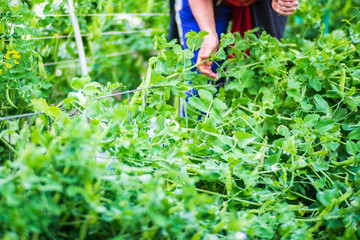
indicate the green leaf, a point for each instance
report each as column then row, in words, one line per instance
column 79, row 83
column 197, row 103
column 82, row 99
column 234, row 85
column 289, row 146
column 54, row 112
column 302, row 62
column 327, row 197
column 292, row 84
column 90, row 90
column 315, row 84
column 188, row 54
column 352, row 104
column 295, row 94
column 205, row 95
column 247, row 78
column 244, row 138
column 177, row 49
column 160, row 123
column 40, row 105
column 311, row 120
column 324, row 125
column 225, row 140
column 203, row 33
column 283, row 131
column 321, row 104
column 351, row 148
column 219, row 105
column 354, row 134
column 189, row 75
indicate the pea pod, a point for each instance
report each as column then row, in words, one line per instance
column 218, row 227
column 342, row 79
column 197, row 236
column 2, row 26
column 84, row 229
column 41, row 67
column 11, row 44
column 150, row 5
column 2, row 44
column 9, row 100
column 228, row 182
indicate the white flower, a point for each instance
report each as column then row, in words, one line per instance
column 240, row 236
column 58, row 73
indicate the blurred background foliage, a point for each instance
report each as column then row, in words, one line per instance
column 313, row 14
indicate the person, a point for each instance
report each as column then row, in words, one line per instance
column 213, row 16
column 173, row 30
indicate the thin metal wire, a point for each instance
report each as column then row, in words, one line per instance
column 118, row 94
column 97, row 98
column 89, row 35
column 76, row 60
column 19, row 116
column 61, row 62
column 109, row 14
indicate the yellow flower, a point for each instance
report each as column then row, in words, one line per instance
column 1, row 72
column 16, row 62
column 8, row 65
column 7, row 57
column 16, row 56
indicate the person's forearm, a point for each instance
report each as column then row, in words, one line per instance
column 203, row 11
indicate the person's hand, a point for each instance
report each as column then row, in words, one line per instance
column 210, row 45
column 285, row 7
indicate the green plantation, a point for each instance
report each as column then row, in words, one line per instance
column 272, row 152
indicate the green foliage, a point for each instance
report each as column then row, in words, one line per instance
column 273, row 154
column 312, row 14
column 21, row 75
column 39, row 67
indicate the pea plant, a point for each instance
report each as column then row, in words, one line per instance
column 271, row 153
column 38, row 55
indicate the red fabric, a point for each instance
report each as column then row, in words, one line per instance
column 239, row 3
column 241, row 20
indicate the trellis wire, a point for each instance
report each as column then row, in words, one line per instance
column 19, row 116
column 102, row 34
column 120, row 93
column 97, row 98
column 96, row 57
column 89, row 35
column 109, row 14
